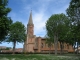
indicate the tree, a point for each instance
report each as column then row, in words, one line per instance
column 73, row 12
column 56, row 25
column 4, row 20
column 49, row 43
column 16, row 34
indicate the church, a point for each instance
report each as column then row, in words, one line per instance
column 38, row 44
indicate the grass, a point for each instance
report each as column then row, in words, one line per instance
column 38, row 57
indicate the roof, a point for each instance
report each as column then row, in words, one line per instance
column 30, row 18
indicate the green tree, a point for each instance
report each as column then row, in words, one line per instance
column 4, row 20
column 73, row 12
column 49, row 42
column 56, row 26
column 16, row 34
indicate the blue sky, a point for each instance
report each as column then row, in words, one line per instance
column 41, row 11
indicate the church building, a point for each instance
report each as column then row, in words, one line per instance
column 38, row 44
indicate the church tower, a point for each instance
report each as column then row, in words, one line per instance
column 29, row 43
column 30, row 26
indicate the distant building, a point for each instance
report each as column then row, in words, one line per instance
column 11, row 50
column 19, row 50
column 3, row 47
column 38, row 44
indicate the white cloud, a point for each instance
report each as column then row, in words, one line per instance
column 38, row 10
column 38, row 22
column 41, row 11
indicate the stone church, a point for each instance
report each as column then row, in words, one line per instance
column 38, row 44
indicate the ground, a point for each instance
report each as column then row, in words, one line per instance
column 38, row 57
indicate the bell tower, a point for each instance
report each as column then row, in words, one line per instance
column 30, row 26
column 29, row 43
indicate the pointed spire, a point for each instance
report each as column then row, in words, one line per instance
column 30, row 18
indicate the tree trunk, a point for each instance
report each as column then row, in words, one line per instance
column 74, row 47
column 14, row 44
column 61, row 47
column 24, row 47
column 77, row 47
column 50, row 50
column 55, row 43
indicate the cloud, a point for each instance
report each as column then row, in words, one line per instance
column 41, row 11
column 39, row 16
column 39, row 22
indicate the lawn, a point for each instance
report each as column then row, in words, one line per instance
column 38, row 57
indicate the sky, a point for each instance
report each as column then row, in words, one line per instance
column 41, row 11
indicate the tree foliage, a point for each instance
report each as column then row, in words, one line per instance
column 73, row 12
column 16, row 34
column 57, row 26
column 4, row 20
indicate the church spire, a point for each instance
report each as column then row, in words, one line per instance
column 30, row 18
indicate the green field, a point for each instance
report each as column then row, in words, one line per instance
column 38, row 57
